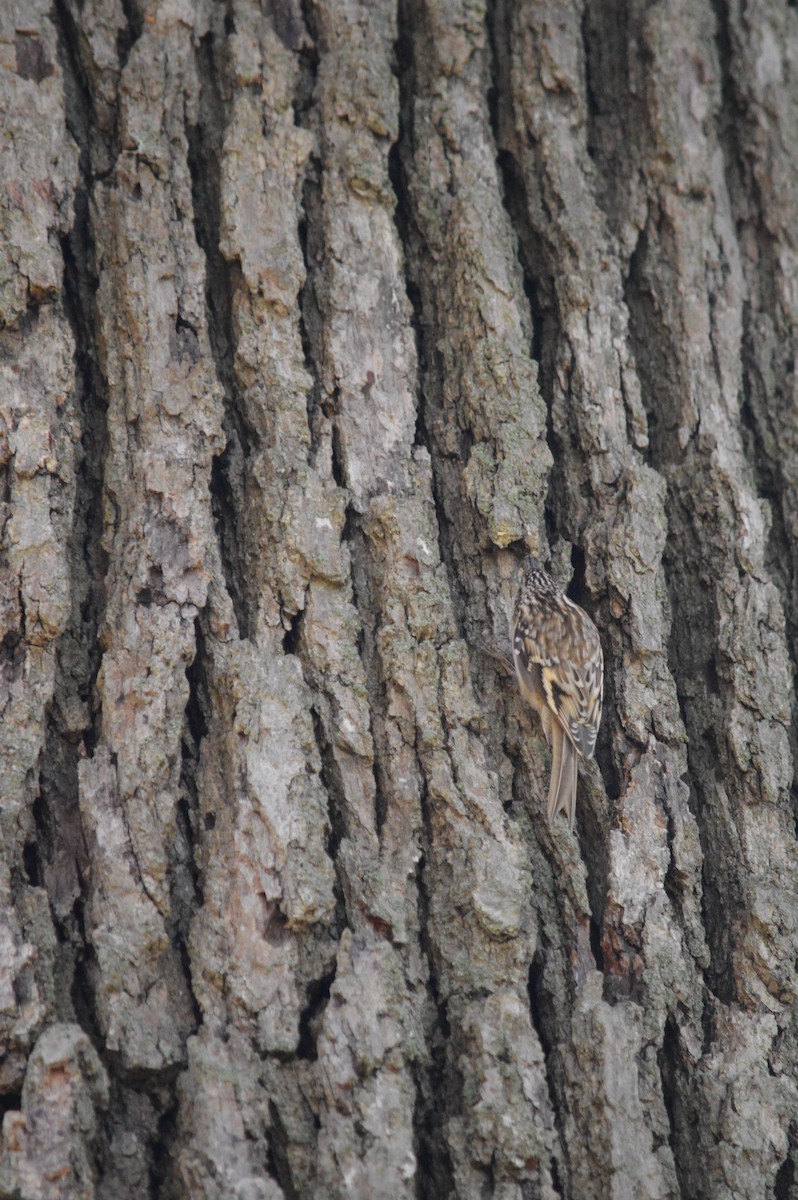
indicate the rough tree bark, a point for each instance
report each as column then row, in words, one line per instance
column 310, row 314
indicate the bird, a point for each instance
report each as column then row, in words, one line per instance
column 559, row 666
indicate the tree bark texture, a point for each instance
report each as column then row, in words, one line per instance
column 311, row 314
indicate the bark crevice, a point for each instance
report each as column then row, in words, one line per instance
column 400, row 160
column 435, row 1176
column 537, row 285
column 205, row 143
column 541, row 1008
column 74, row 717
column 767, row 351
column 786, row 1174
column 310, row 231
column 333, row 784
column 186, row 883
column 363, row 601
column 673, row 1076
column 533, row 253
column 127, row 37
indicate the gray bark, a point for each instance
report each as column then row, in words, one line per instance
column 311, row 317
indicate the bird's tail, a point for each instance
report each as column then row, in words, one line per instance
column 562, row 789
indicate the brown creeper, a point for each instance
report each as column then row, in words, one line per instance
column 560, row 670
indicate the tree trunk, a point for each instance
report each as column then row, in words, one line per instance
column 312, row 315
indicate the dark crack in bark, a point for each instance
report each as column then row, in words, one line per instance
column 229, row 469
column 73, row 722
column 434, row 1098
column 673, row 1073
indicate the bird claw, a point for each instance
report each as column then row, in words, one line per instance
column 506, row 665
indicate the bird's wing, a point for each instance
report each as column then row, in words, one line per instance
column 561, row 643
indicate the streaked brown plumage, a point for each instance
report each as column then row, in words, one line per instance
column 560, row 670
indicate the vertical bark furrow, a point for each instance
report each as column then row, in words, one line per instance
column 757, row 130
column 205, row 141
column 75, row 718
column 40, row 437
column 480, row 405
column 407, row 232
column 422, row 665
column 435, row 1170
column 264, row 811
column 728, row 646
column 158, row 447
column 356, row 377
column 51, row 454
column 134, row 982
column 547, row 129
